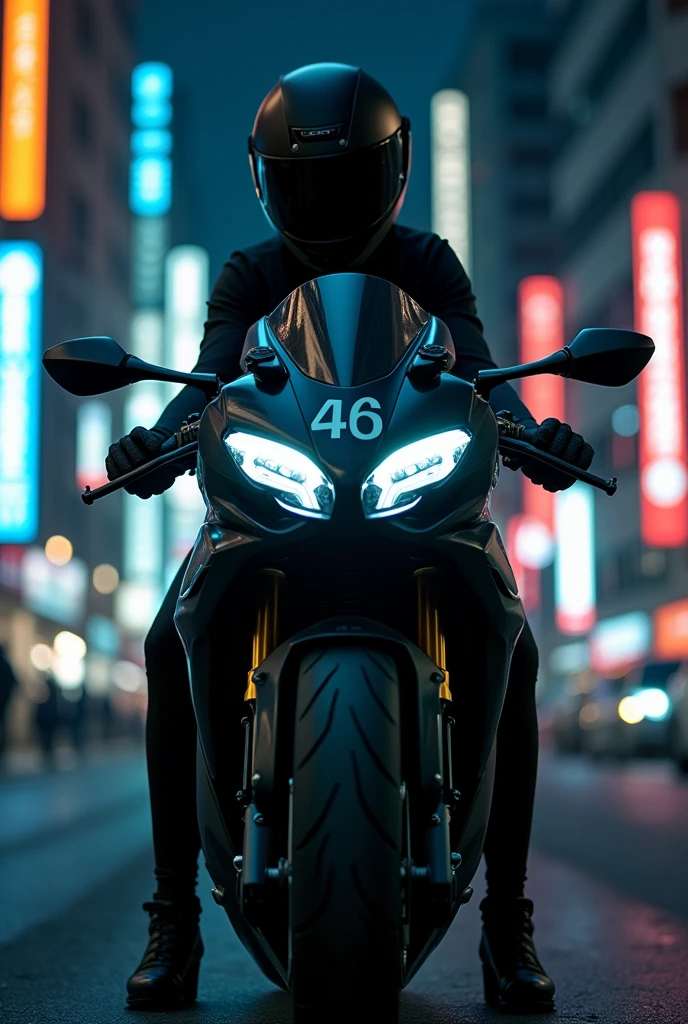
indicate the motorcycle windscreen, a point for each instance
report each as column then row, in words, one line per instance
column 347, row 329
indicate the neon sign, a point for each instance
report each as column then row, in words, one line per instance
column 656, row 221
column 21, row 280
column 451, row 196
column 24, row 109
column 574, row 567
column 150, row 183
column 541, row 332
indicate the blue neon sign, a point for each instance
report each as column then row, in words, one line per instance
column 150, row 180
column 21, row 287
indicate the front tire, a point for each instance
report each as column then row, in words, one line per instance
column 346, row 836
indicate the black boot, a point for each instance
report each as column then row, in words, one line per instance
column 167, row 976
column 514, row 977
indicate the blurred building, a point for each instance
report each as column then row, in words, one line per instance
column 505, row 76
column 82, row 228
column 504, row 72
column 619, row 94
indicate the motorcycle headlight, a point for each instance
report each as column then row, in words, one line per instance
column 301, row 486
column 395, row 484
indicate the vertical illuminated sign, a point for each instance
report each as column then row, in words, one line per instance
column 21, row 279
column 657, row 278
column 93, row 437
column 574, row 567
column 150, row 183
column 23, row 109
column 451, row 183
column 150, row 197
column 541, row 332
column 186, row 293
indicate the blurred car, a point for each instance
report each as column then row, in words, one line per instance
column 678, row 726
column 631, row 716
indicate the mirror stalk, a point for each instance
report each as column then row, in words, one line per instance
column 138, row 369
column 558, row 362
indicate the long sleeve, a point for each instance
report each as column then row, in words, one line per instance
column 233, row 307
column 454, row 303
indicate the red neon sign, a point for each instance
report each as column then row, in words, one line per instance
column 527, row 577
column 657, row 278
column 541, row 332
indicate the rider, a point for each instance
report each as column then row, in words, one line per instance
column 330, row 157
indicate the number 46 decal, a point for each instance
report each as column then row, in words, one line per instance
column 335, row 425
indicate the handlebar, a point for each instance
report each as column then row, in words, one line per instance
column 172, row 454
column 512, row 446
column 509, row 445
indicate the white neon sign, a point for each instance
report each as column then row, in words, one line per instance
column 451, row 195
column 574, row 568
column 21, row 278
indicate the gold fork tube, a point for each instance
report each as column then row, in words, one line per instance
column 430, row 633
column 265, row 635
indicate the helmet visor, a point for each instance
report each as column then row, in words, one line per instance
column 332, row 198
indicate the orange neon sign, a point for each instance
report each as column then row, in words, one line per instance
column 23, row 109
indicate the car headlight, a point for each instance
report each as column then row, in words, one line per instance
column 301, row 486
column 395, row 484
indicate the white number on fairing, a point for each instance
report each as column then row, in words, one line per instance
column 358, row 413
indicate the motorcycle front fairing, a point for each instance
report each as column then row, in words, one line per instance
column 248, row 529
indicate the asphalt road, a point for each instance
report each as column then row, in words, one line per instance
column 609, row 876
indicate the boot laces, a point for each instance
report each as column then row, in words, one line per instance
column 165, row 926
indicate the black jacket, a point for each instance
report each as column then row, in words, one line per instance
column 255, row 280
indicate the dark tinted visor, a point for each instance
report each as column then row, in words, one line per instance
column 331, row 198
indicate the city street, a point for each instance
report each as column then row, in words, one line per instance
column 608, row 880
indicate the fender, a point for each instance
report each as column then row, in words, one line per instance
column 420, row 680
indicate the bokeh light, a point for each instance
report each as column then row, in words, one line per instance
column 58, row 549
column 41, row 657
column 630, row 710
column 105, row 578
column 69, row 645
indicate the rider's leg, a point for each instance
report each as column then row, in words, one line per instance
column 168, row 972
column 513, row 974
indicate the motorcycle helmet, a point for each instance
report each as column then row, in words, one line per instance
column 330, row 156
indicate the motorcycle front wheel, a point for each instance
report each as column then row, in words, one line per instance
column 346, row 837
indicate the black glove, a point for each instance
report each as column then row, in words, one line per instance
column 559, row 439
column 134, row 450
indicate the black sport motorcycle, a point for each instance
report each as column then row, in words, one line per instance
column 348, row 614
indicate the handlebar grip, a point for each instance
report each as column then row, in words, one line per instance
column 511, row 446
column 172, row 455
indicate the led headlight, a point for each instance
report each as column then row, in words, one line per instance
column 395, row 484
column 301, row 486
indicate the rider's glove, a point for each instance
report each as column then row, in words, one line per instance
column 132, row 451
column 558, row 438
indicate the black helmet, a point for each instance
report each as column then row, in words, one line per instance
column 330, row 156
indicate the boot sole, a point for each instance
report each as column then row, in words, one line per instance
column 493, row 998
column 186, row 997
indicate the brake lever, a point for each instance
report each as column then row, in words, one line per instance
column 511, row 446
column 172, row 455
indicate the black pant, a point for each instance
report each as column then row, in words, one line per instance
column 171, row 753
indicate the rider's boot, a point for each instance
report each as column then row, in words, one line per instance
column 513, row 975
column 167, row 976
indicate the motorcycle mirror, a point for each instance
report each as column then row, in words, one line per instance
column 88, row 366
column 597, row 355
column 605, row 355
column 93, row 366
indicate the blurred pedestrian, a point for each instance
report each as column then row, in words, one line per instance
column 47, row 720
column 8, row 683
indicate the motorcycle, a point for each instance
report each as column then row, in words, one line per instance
column 348, row 614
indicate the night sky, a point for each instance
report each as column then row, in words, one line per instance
column 227, row 54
